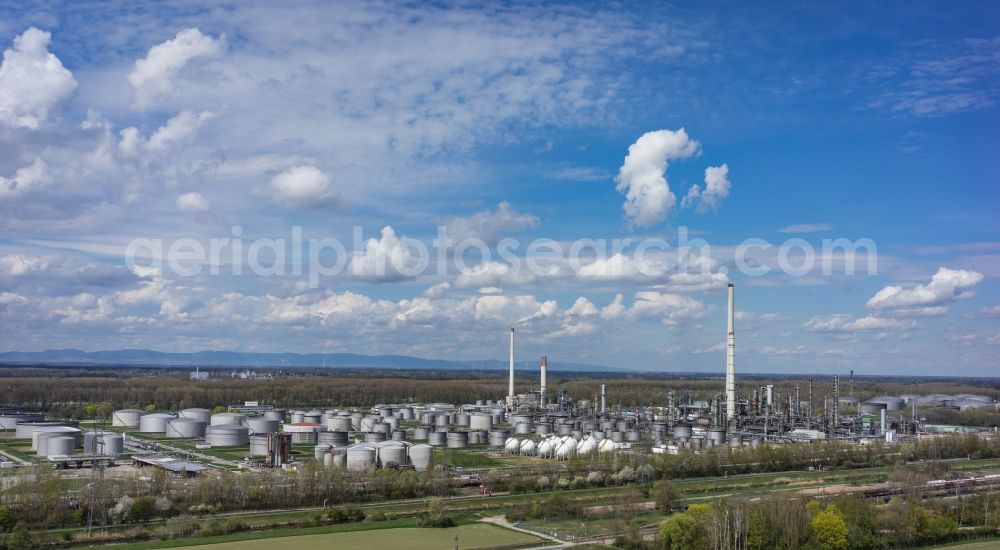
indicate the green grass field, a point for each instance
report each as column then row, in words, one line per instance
column 477, row 536
column 979, row 545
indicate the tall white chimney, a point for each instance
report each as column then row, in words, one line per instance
column 510, row 384
column 542, row 396
column 604, row 398
column 731, row 358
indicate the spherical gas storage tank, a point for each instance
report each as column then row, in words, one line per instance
column 127, row 418
column 261, row 425
column 155, row 423
column 360, row 458
column 186, row 428
column 276, row 414
column 227, row 435
column 221, row 419
column 527, row 448
column 607, row 446
column 512, row 445
column 204, row 415
column 61, row 445
column 421, row 456
column 110, row 444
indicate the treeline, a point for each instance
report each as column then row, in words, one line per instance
column 841, row 523
column 170, row 392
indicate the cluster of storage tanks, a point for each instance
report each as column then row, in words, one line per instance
column 62, row 438
column 560, row 447
column 964, row 401
column 384, row 454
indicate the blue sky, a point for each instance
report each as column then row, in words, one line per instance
column 564, row 122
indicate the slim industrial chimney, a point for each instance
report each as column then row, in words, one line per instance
column 731, row 359
column 604, row 398
column 510, row 384
column 542, row 396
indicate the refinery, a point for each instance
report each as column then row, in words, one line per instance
column 541, row 423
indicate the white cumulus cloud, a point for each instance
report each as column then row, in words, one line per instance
column 947, row 285
column 717, row 187
column 192, row 202
column 642, row 177
column 488, row 226
column 153, row 75
column 32, row 81
column 305, row 187
column 387, row 258
column 25, row 179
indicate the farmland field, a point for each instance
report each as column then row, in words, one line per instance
column 476, row 536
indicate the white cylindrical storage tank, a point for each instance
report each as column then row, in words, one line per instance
column 204, row 415
column 61, row 445
column 185, row 428
column 457, row 440
column 41, row 440
column 522, row 428
column 258, row 445
column 421, row 432
column 442, row 420
column 498, row 438
column 437, row 439
column 360, row 458
column 462, row 419
column 398, row 435
column 261, row 425
column 313, row 416
column 328, row 460
column 682, row 431
column 227, row 435
column 155, row 423
column 25, row 430
column 339, row 423
column 618, row 437
column 298, row 416
column 276, row 414
column 421, row 457
column 633, row 436
column 10, row 421
column 480, row 421
column 543, row 428
column 127, row 418
column 111, row 444
column 338, row 439
column 221, row 419
column 406, row 413
column 392, row 456
column 90, row 443
column 374, row 437
column 320, row 450
column 356, row 421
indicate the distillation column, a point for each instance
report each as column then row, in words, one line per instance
column 731, row 359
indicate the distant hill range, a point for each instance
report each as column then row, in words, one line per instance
column 145, row 357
